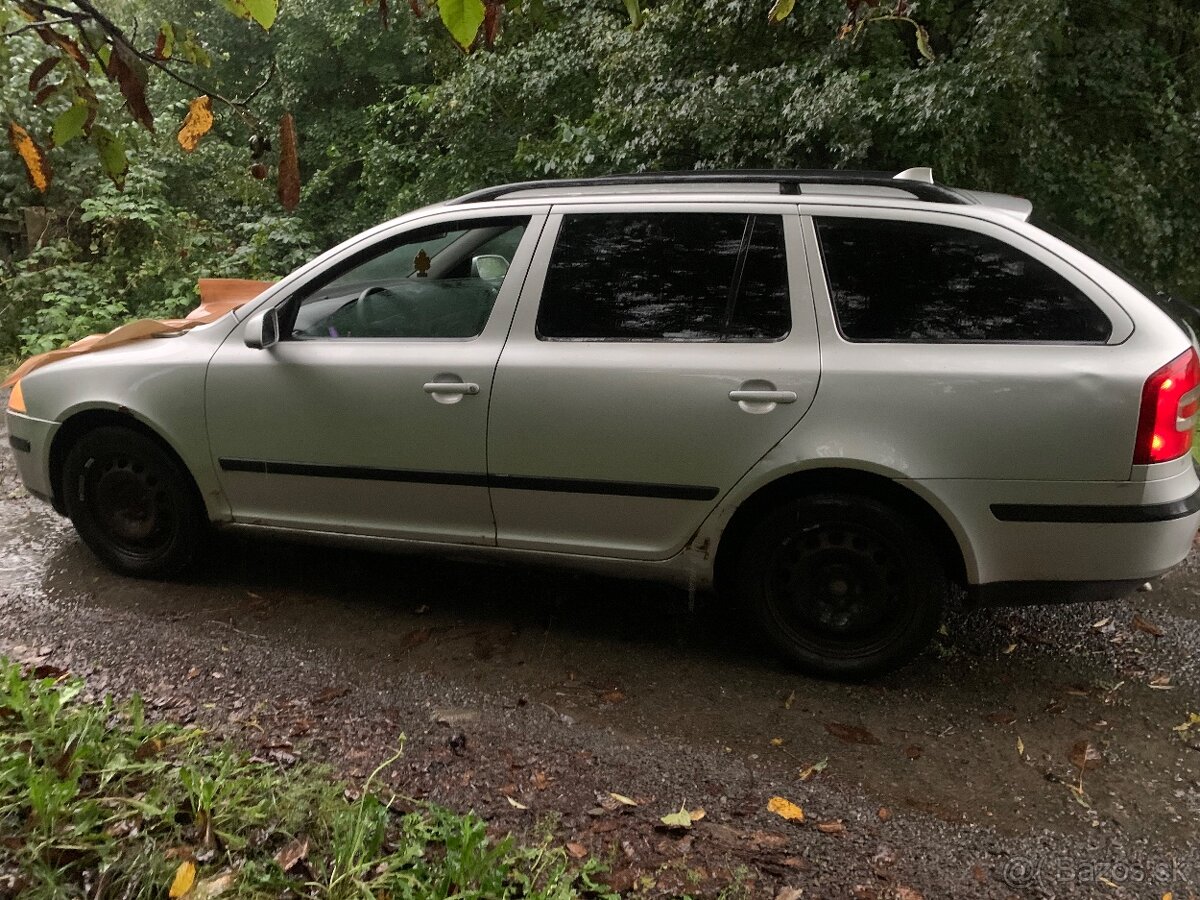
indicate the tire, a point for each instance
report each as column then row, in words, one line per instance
column 845, row 586
column 132, row 503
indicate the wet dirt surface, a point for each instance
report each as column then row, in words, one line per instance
column 957, row 777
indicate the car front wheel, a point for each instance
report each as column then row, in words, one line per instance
column 132, row 503
column 845, row 586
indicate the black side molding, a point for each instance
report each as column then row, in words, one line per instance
column 1037, row 593
column 18, row 443
column 470, row 479
column 1119, row 514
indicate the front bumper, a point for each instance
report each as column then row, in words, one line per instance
column 30, row 440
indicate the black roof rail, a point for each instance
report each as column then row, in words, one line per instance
column 789, row 181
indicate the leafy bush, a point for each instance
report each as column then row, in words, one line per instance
column 97, row 801
column 135, row 255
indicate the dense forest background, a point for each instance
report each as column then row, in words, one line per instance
column 1091, row 108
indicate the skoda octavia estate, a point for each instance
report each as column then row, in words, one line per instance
column 832, row 396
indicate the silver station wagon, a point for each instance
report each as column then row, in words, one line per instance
column 832, row 396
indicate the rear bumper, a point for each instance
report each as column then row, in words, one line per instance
column 1072, row 532
column 29, row 439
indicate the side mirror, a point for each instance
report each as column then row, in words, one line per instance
column 262, row 329
column 489, row 267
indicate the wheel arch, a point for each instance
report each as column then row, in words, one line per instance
column 89, row 419
column 951, row 543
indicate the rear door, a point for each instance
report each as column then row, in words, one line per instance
column 657, row 353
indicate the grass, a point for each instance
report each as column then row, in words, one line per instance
column 96, row 801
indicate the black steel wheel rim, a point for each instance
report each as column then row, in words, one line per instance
column 839, row 588
column 131, row 505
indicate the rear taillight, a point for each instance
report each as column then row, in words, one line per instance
column 1170, row 400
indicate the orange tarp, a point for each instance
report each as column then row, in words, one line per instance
column 217, row 297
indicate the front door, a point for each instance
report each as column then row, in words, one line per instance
column 656, row 355
column 370, row 415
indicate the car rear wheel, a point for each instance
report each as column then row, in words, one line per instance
column 845, row 586
column 132, row 503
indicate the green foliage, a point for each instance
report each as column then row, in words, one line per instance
column 135, row 255
column 96, row 801
column 1091, row 109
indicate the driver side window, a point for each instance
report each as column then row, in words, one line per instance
column 439, row 281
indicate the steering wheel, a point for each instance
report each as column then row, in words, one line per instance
column 361, row 319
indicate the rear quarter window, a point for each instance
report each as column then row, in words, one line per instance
column 917, row 282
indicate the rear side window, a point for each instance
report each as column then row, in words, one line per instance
column 667, row 277
column 916, row 282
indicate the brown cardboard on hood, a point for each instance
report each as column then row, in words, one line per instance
column 217, row 297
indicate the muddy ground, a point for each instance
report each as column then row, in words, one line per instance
column 958, row 777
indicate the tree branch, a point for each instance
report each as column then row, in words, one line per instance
column 116, row 35
column 38, row 24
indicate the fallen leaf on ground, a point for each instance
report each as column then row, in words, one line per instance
column 1140, row 623
column 1161, row 683
column 790, row 893
column 907, row 893
column 1102, row 623
column 1020, row 746
column 791, row 698
column 815, row 769
column 208, row 888
column 292, row 853
column 1193, row 720
column 776, row 742
column 622, row 799
column 577, row 851
column 540, row 780
column 785, row 809
column 1009, row 649
column 682, row 819
column 834, row 827
column 616, row 695
column 331, row 693
column 185, row 877
column 515, row 804
column 884, row 814
column 415, row 638
column 1085, row 756
column 851, row 734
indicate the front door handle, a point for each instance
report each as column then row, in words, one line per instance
column 454, row 387
column 763, row 396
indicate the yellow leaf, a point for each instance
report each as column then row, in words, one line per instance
column 197, row 123
column 1192, row 721
column 210, row 888
column 1020, row 746
column 515, row 804
column 683, row 818
column 785, row 809
column 780, row 10
column 776, row 742
column 31, row 154
column 622, row 799
column 185, row 877
column 815, row 769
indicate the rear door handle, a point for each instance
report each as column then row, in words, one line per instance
column 451, row 387
column 763, row 396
